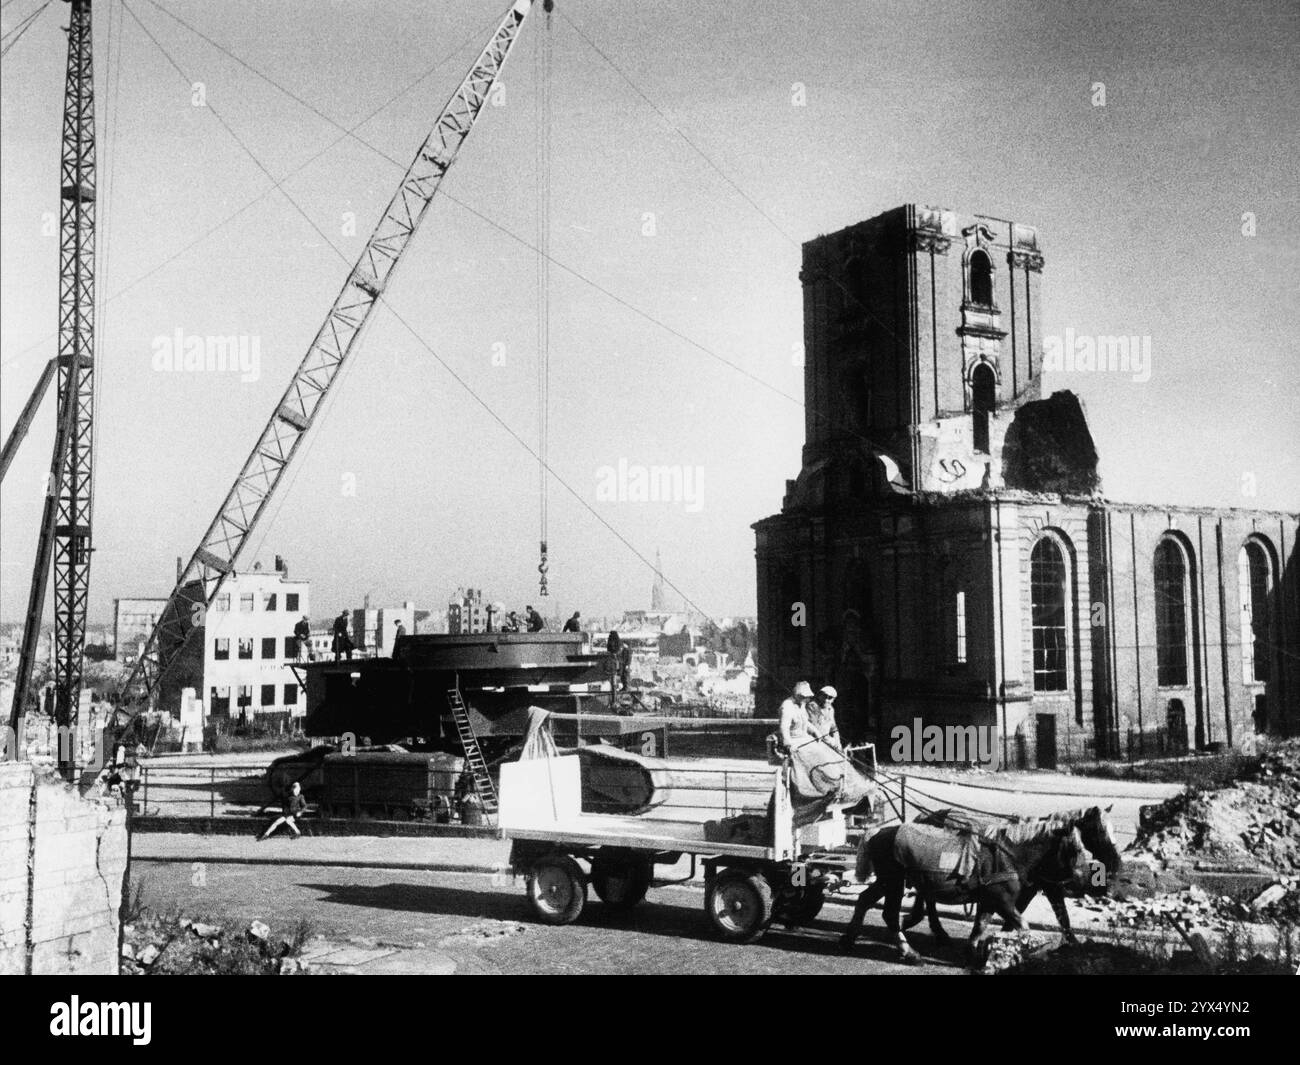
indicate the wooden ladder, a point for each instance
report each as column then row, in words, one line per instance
column 473, row 753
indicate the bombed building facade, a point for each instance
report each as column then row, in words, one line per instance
column 946, row 552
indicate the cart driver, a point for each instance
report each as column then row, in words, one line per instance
column 794, row 717
column 821, row 717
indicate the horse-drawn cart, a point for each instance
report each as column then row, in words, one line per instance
column 736, row 820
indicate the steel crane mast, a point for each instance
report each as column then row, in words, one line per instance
column 215, row 558
column 65, row 520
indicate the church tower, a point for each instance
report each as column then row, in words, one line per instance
column 922, row 332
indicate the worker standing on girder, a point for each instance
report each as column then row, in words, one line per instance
column 302, row 636
column 342, row 640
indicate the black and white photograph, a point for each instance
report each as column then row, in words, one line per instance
column 819, row 497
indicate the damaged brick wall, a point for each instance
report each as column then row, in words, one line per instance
column 62, row 863
column 1048, row 448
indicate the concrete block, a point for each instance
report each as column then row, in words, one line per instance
column 78, row 860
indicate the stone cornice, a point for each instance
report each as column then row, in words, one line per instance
column 1030, row 260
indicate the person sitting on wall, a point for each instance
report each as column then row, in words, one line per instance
column 535, row 622
column 294, row 806
column 574, row 623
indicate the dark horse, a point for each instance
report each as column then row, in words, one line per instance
column 1094, row 829
column 949, row 866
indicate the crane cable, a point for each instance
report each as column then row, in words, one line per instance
column 12, row 37
column 542, row 73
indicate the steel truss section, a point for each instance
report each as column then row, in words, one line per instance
column 66, row 517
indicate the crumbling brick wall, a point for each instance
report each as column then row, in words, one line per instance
column 62, row 862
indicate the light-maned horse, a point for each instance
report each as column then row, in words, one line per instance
column 948, row 866
column 1094, row 828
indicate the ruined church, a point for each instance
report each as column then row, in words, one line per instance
column 946, row 552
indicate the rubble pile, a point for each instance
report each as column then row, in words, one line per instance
column 1088, row 959
column 181, row 946
column 1251, row 824
column 1006, row 950
column 1279, row 903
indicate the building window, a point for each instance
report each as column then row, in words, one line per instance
column 219, row 701
column 245, row 602
column 268, row 646
column 221, row 649
column 246, row 647
column 961, row 627
column 268, row 601
column 291, row 601
column 245, row 695
column 222, row 603
column 981, row 279
column 291, row 695
column 1254, row 576
column 1047, row 586
column 1171, row 615
column 291, row 647
column 268, row 694
column 983, row 398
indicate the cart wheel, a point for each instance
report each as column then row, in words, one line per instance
column 620, row 882
column 557, row 890
column 739, row 905
column 804, row 908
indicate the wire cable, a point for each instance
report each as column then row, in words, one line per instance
column 15, row 35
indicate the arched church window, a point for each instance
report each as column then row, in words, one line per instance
column 1254, row 573
column 1171, row 614
column 1048, row 596
column 981, row 279
column 983, row 388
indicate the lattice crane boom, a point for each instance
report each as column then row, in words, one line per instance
column 64, row 540
column 216, row 556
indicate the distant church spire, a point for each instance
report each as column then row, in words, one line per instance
column 657, row 598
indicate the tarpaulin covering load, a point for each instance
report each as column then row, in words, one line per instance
column 613, row 780
column 538, row 741
column 619, row 781
column 821, row 777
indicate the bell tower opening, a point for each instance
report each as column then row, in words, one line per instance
column 981, row 279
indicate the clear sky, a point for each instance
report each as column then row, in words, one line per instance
column 987, row 108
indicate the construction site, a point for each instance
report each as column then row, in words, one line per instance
column 880, row 492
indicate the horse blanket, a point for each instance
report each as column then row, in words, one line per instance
column 945, row 864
